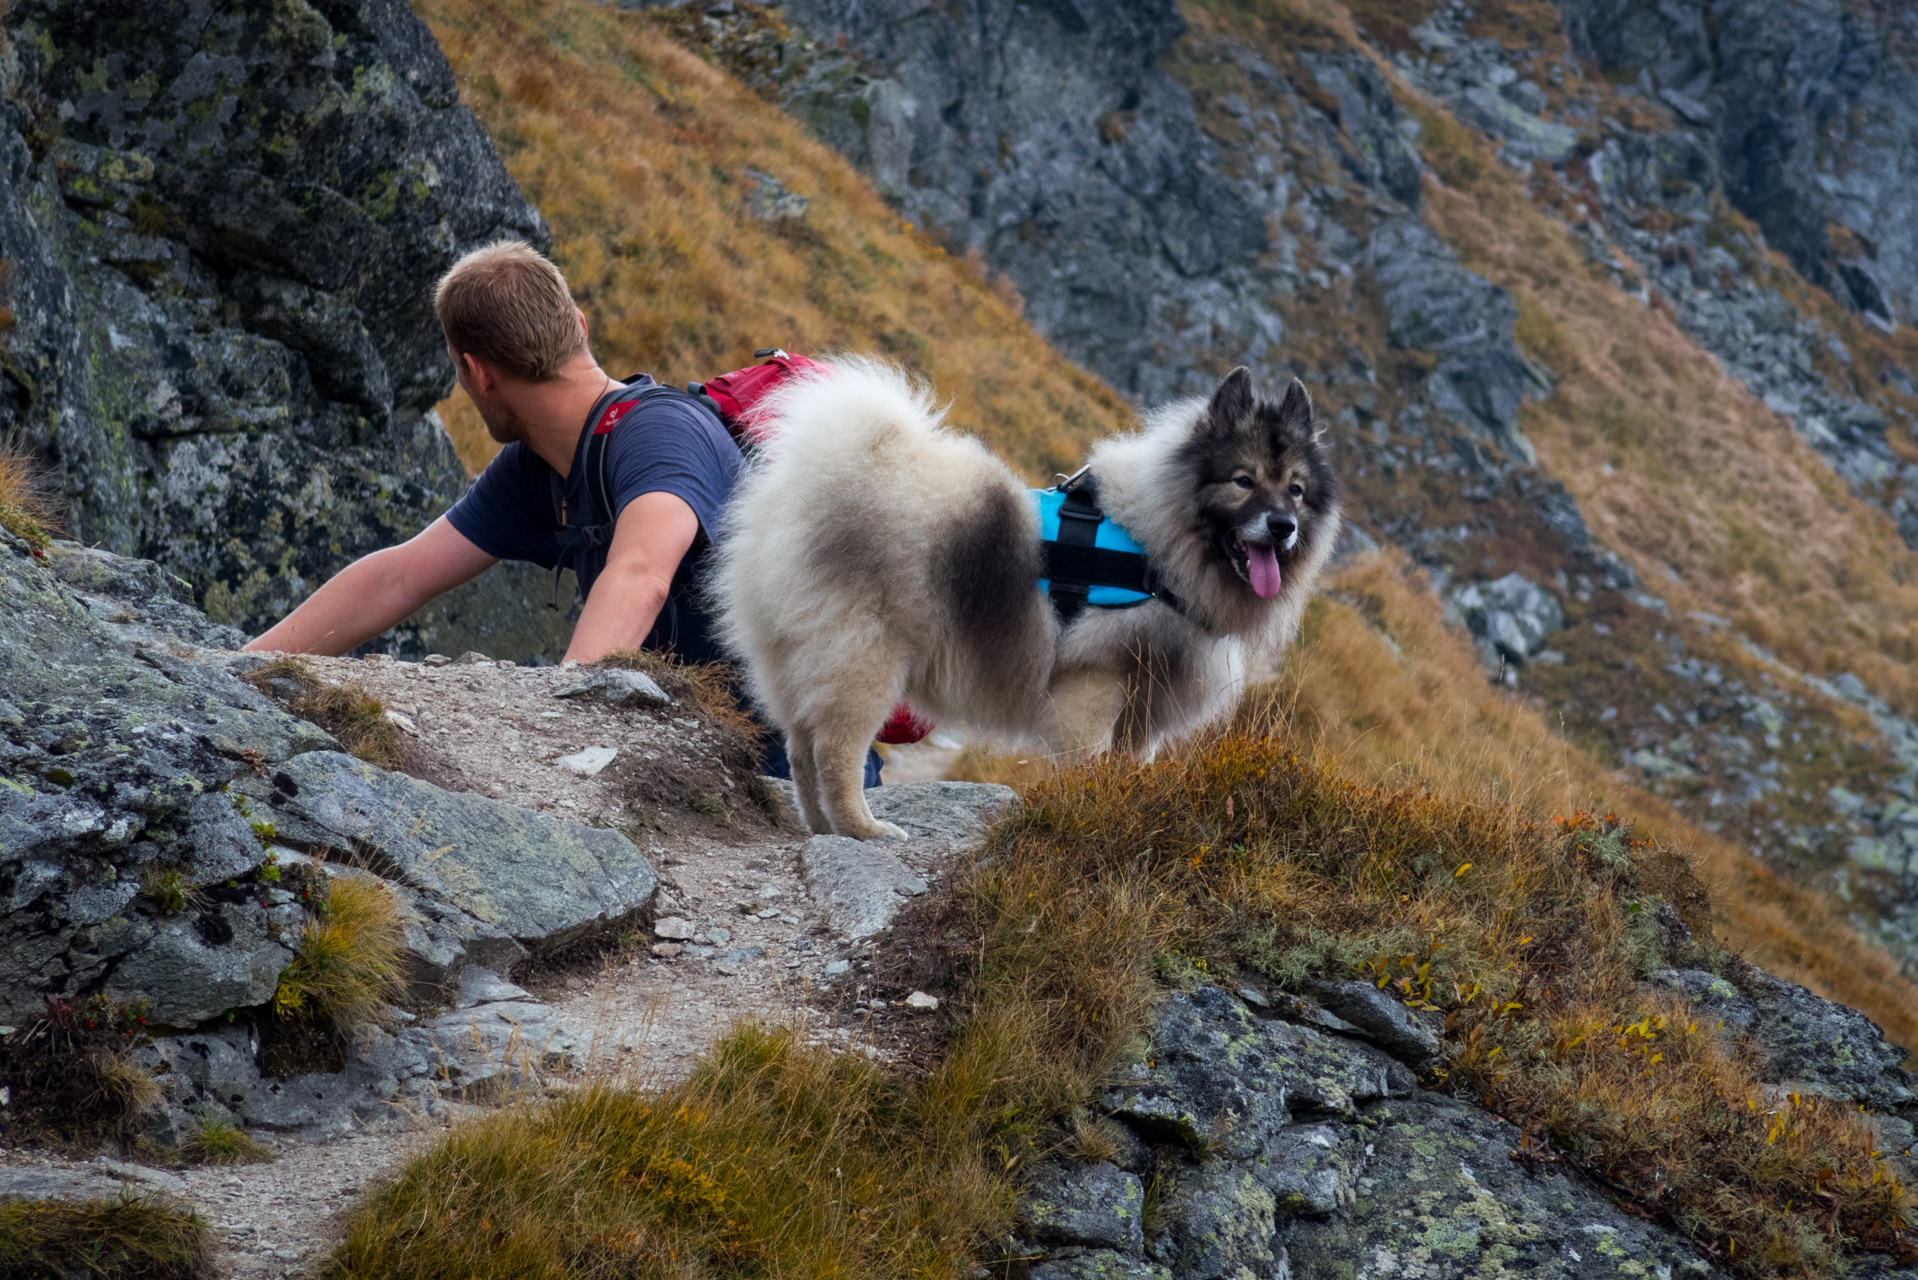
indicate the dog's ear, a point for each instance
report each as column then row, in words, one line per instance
column 1231, row 404
column 1295, row 413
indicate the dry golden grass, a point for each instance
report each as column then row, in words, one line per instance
column 127, row 1240
column 1671, row 459
column 1530, row 938
column 638, row 153
column 26, row 510
column 774, row 1159
column 1379, row 682
column 346, row 967
column 349, row 712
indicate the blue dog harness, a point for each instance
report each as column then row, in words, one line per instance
column 1089, row 558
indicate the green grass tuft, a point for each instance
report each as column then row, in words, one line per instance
column 102, row 1240
column 217, row 1140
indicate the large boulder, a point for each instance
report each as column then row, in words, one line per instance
column 539, row 880
column 116, row 753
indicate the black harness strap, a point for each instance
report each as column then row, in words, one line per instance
column 1072, row 562
column 1074, row 565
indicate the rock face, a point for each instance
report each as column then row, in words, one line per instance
column 1276, row 1147
column 220, row 225
column 149, row 798
column 1834, row 151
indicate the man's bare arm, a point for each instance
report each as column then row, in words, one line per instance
column 652, row 536
column 378, row 590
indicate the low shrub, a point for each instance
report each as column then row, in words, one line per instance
column 102, row 1240
column 71, row 1074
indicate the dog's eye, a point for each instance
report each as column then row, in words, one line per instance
column 1297, row 490
column 1244, row 482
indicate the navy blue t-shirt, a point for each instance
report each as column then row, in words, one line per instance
column 666, row 445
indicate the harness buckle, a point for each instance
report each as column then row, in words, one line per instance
column 1069, row 482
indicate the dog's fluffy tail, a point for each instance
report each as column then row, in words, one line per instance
column 864, row 545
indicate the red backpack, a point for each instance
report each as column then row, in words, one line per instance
column 736, row 398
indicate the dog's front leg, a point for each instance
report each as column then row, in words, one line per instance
column 1086, row 703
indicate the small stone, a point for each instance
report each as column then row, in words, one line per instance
column 1254, row 998
column 836, row 968
column 470, row 658
column 437, row 660
column 588, row 763
column 616, row 685
column 405, row 723
column 667, row 950
column 719, row 935
column 920, row 1000
column 677, row 928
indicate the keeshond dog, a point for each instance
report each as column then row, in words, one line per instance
column 871, row 555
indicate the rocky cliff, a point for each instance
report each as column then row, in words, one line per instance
column 219, row 228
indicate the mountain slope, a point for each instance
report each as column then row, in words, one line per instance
column 642, row 158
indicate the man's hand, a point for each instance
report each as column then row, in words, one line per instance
column 378, row 590
column 652, row 536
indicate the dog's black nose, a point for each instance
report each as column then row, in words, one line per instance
column 1282, row 527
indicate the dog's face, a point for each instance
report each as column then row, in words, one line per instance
column 1264, row 484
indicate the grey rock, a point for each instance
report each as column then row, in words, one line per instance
column 482, row 986
column 76, row 1184
column 1086, row 1205
column 223, row 345
column 1220, row 1223
column 226, row 957
column 1511, row 615
column 1497, row 114
column 1381, row 1017
column 1223, row 1079
column 1435, row 304
column 1440, row 1172
column 942, row 816
column 858, row 885
column 1305, row 1170
column 441, row 940
column 1098, row 1264
column 616, row 685
column 158, row 1179
column 539, row 880
column 1712, row 996
column 1818, row 1046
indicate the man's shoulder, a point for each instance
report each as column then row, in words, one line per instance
column 676, row 425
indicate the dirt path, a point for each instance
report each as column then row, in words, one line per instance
column 734, row 933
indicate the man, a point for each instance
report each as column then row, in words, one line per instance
column 518, row 344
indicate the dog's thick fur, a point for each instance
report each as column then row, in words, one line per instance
column 871, row 555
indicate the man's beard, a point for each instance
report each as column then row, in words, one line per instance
column 505, row 426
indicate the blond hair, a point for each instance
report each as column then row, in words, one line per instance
column 509, row 306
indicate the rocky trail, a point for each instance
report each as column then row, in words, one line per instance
column 588, row 888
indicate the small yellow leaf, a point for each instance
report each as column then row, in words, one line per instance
column 1462, row 870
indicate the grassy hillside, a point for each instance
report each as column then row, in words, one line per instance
column 644, row 160
column 641, row 156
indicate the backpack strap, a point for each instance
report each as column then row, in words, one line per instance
column 580, row 532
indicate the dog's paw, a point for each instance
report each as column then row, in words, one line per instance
column 886, row 831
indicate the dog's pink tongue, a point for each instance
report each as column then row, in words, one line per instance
column 1262, row 567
